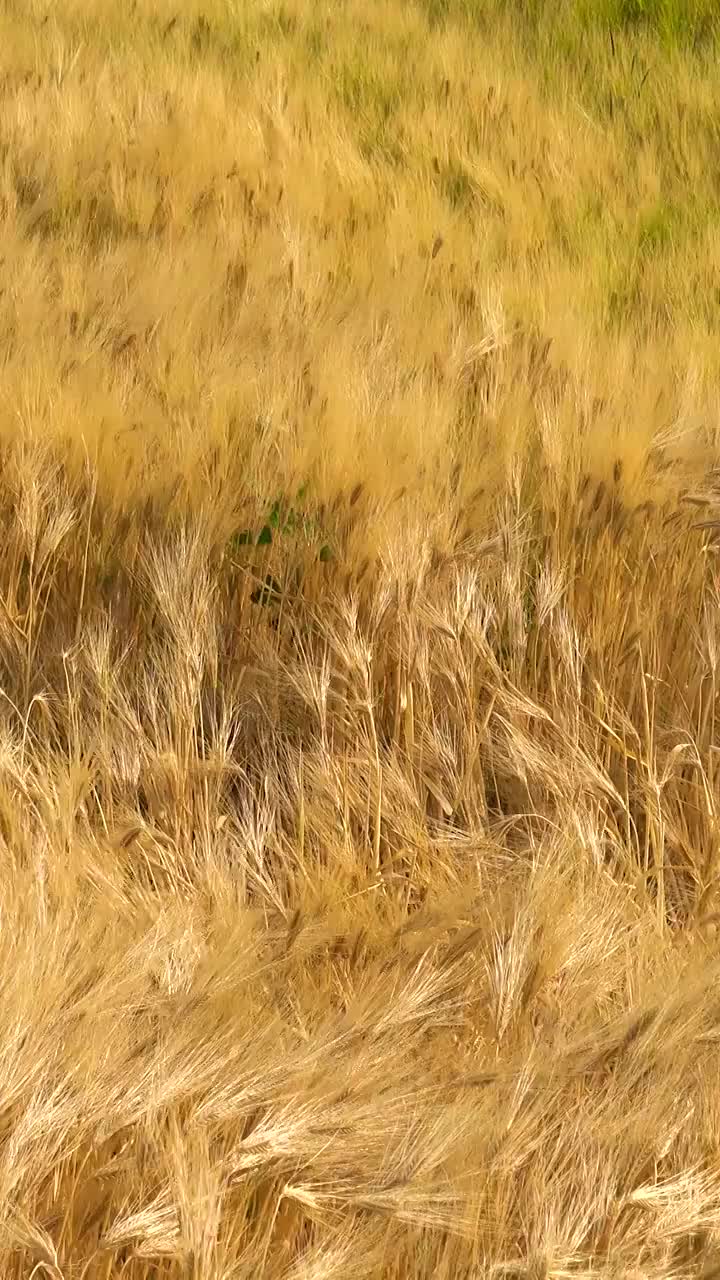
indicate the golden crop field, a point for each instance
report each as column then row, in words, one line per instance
column 359, row 648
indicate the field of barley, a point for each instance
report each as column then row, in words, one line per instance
column 359, row 639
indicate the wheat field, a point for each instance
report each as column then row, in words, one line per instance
column 359, row 653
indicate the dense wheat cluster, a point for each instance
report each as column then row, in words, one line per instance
column 359, row 652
